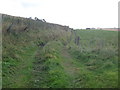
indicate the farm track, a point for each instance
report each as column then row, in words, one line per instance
column 71, row 69
column 23, row 76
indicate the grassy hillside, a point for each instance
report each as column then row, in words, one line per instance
column 20, row 46
column 38, row 54
column 97, row 54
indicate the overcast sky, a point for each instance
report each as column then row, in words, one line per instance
column 73, row 13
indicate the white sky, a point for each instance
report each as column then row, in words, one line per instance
column 73, row 13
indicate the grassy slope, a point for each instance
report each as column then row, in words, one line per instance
column 80, row 66
column 23, row 75
column 17, row 63
column 98, row 54
column 60, row 63
column 20, row 48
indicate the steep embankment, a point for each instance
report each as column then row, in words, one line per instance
column 22, row 39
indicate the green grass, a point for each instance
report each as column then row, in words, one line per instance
column 46, row 56
column 92, row 64
column 99, row 59
column 18, row 73
column 49, row 68
column 20, row 48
